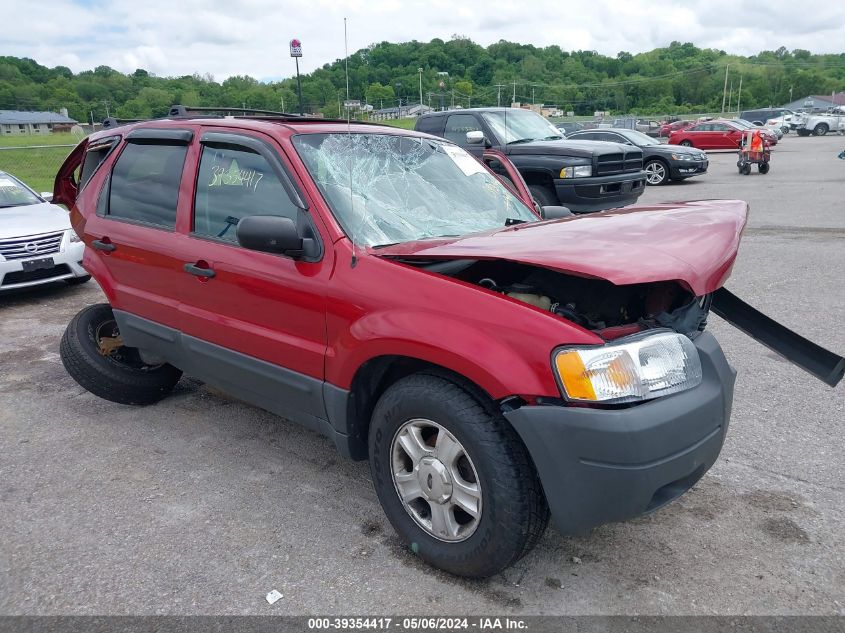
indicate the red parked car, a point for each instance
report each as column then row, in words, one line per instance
column 667, row 128
column 384, row 288
column 715, row 134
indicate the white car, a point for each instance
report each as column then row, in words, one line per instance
column 37, row 244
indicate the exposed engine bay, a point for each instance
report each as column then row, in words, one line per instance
column 609, row 310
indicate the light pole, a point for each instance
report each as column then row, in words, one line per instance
column 296, row 53
column 420, row 71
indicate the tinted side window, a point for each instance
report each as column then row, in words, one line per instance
column 234, row 183
column 145, row 183
column 430, row 125
column 94, row 157
column 457, row 126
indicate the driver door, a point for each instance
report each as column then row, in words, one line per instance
column 255, row 321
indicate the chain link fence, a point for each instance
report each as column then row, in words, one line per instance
column 35, row 165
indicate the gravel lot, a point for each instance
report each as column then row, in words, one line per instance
column 201, row 505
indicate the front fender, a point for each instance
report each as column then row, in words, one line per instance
column 499, row 367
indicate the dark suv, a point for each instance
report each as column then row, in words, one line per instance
column 582, row 175
column 382, row 287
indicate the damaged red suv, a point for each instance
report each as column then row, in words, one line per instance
column 385, row 288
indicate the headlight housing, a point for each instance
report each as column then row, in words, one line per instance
column 73, row 236
column 577, row 171
column 683, row 156
column 633, row 369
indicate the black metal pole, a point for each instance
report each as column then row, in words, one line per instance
column 298, row 85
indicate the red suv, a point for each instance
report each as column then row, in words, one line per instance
column 385, row 288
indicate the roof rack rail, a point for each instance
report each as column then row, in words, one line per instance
column 111, row 122
column 185, row 111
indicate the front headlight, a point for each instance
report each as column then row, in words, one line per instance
column 73, row 236
column 577, row 171
column 683, row 156
column 636, row 368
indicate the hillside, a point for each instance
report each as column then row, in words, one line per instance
column 675, row 79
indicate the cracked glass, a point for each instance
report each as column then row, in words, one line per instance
column 387, row 188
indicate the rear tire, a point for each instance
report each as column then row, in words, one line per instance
column 821, row 129
column 511, row 510
column 544, row 195
column 763, row 168
column 119, row 375
column 686, row 143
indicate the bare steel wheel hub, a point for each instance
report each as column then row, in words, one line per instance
column 436, row 480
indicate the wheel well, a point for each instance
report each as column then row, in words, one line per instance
column 656, row 159
column 538, row 178
column 376, row 375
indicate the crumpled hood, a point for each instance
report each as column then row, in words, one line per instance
column 32, row 219
column 692, row 242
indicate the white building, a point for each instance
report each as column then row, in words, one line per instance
column 21, row 122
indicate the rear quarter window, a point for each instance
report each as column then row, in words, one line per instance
column 95, row 155
column 145, row 184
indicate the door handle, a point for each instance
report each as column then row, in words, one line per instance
column 103, row 245
column 198, row 271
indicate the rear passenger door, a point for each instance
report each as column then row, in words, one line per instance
column 255, row 322
column 132, row 234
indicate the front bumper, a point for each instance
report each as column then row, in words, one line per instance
column 67, row 263
column 603, row 465
column 597, row 193
column 679, row 170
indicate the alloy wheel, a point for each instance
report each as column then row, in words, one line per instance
column 436, row 480
column 655, row 173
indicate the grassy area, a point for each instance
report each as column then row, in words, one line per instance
column 36, row 166
column 405, row 124
column 27, row 140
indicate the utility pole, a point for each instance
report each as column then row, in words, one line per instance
column 106, row 103
column 533, row 101
column 739, row 95
column 420, row 72
column 725, row 89
column 346, row 52
column 296, row 53
column 513, row 99
column 499, row 94
column 731, row 94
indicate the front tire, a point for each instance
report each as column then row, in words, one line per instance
column 821, row 129
column 657, row 172
column 686, row 143
column 544, row 195
column 453, row 477
column 93, row 354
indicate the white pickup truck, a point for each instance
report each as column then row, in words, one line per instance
column 821, row 123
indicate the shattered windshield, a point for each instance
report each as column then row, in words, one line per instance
column 387, row 189
column 513, row 125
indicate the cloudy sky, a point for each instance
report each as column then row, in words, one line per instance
column 237, row 37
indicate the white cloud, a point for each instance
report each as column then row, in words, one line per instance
column 250, row 37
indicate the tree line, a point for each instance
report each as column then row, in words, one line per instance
column 678, row 78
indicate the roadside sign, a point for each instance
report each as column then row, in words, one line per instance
column 352, row 103
column 295, row 48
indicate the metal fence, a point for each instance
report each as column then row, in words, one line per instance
column 35, row 165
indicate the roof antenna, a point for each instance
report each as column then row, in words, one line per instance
column 354, row 261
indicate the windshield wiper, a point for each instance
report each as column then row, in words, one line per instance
column 554, row 137
column 520, row 140
column 513, row 221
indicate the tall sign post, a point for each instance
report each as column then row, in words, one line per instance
column 296, row 53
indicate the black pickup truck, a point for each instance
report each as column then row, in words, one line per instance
column 582, row 175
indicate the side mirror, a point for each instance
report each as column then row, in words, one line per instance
column 554, row 212
column 270, row 234
column 475, row 137
column 47, row 195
